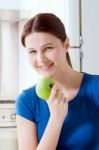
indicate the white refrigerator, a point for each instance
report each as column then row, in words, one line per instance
column 83, row 31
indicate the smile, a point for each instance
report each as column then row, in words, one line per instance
column 46, row 68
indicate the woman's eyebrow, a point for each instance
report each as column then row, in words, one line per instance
column 31, row 49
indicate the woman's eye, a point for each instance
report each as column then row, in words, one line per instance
column 49, row 48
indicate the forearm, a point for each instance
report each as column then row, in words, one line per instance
column 51, row 135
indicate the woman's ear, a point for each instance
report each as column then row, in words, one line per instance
column 66, row 43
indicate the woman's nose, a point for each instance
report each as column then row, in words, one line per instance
column 40, row 58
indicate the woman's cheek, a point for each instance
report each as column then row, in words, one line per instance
column 53, row 56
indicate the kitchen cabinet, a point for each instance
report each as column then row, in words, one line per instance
column 83, row 25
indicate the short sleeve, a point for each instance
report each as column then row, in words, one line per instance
column 96, row 92
column 25, row 107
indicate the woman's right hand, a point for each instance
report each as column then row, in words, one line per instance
column 58, row 105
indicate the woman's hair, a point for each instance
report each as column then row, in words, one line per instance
column 45, row 22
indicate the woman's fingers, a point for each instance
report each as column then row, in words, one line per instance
column 58, row 104
column 65, row 100
column 53, row 93
column 57, row 94
column 62, row 98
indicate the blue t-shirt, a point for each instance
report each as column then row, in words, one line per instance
column 80, row 130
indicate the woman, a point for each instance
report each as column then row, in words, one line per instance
column 69, row 119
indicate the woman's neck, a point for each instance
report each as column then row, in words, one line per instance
column 69, row 81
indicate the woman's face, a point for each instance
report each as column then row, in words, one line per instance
column 47, row 54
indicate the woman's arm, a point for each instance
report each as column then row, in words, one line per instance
column 58, row 110
column 50, row 137
column 27, row 134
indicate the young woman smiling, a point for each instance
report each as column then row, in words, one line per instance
column 70, row 120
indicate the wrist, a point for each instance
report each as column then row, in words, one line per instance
column 57, row 123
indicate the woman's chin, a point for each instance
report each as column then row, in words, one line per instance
column 45, row 74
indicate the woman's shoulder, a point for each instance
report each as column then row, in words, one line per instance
column 26, row 94
column 91, row 79
column 30, row 92
column 91, row 83
column 92, row 88
column 26, row 103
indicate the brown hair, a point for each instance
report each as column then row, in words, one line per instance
column 45, row 22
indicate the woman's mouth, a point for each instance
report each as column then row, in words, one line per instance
column 46, row 67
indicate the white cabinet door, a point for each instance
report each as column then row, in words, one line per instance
column 8, row 139
column 90, row 27
column 73, row 21
column 9, row 61
column 16, row 4
column 73, row 31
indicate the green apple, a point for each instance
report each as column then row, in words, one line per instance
column 43, row 87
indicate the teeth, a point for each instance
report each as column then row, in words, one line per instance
column 45, row 67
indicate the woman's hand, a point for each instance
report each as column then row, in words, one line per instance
column 58, row 105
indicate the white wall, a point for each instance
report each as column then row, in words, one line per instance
column 54, row 6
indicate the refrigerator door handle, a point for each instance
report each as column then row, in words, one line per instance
column 80, row 43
